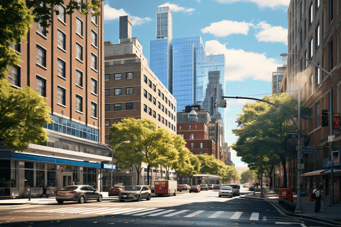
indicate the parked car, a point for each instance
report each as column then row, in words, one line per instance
column 204, row 187
column 246, row 185
column 179, row 188
column 216, row 186
column 251, row 188
column 188, row 187
column 210, row 186
column 225, row 191
column 195, row 188
column 79, row 193
column 136, row 192
column 116, row 190
column 235, row 188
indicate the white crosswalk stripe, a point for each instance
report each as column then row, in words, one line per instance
column 236, row 215
column 149, row 212
column 254, row 216
column 164, row 212
column 216, row 214
column 195, row 213
column 176, row 213
column 119, row 211
column 137, row 211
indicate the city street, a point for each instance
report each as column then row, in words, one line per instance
column 186, row 209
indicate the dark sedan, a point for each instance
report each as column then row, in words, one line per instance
column 79, row 193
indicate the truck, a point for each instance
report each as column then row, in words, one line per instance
column 165, row 187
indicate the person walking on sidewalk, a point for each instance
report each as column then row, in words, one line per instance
column 318, row 196
column 44, row 191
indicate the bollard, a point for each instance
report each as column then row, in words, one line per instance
column 29, row 194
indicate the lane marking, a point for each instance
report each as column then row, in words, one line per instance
column 254, row 216
column 287, row 223
column 117, row 211
column 135, row 211
column 103, row 209
column 176, row 213
column 164, row 212
column 216, row 214
column 149, row 212
column 195, row 213
column 236, row 215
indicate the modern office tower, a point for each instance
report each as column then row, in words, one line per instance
column 65, row 65
column 164, row 23
column 277, row 78
column 214, row 91
column 183, row 66
column 133, row 91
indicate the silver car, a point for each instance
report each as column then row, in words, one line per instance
column 79, row 193
column 226, row 191
column 136, row 192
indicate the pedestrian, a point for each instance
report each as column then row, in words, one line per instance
column 317, row 196
column 44, row 191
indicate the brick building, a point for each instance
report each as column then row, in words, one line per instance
column 65, row 65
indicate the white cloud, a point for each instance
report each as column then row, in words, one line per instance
column 241, row 65
column 261, row 3
column 176, row 8
column 114, row 14
column 272, row 34
column 226, row 27
column 240, row 165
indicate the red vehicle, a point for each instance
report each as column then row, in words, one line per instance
column 165, row 187
column 116, row 190
column 194, row 188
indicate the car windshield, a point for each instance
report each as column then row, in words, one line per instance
column 116, row 188
column 235, row 186
column 133, row 188
column 226, row 188
column 69, row 188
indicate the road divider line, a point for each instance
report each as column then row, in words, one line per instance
column 195, row 213
column 135, row 211
column 164, row 212
column 216, row 214
column 254, row 216
column 236, row 215
column 117, row 211
column 100, row 210
column 149, row 212
column 176, row 213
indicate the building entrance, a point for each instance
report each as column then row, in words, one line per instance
column 67, row 179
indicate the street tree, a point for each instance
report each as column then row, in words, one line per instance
column 229, row 173
column 247, row 175
column 23, row 113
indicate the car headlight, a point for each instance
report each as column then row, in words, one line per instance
column 131, row 195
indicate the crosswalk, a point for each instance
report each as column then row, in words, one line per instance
column 155, row 212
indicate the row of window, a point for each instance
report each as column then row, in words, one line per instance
column 118, row 91
column 62, row 14
column 189, row 127
column 201, row 146
column 153, row 86
column 160, row 106
column 159, row 118
column 118, row 76
column 118, row 106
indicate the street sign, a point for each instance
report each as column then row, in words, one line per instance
column 292, row 135
column 308, row 150
column 331, row 138
column 300, row 166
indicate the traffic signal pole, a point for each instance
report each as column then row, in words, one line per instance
column 331, row 145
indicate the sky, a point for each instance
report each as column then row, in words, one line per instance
column 251, row 33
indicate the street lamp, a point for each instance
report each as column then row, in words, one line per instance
column 112, row 168
column 299, row 153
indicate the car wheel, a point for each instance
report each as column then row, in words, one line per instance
column 99, row 198
column 219, row 195
column 138, row 198
column 121, row 200
column 174, row 194
column 60, row 201
column 149, row 197
column 81, row 199
column 190, row 191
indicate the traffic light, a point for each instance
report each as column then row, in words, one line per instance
column 324, row 118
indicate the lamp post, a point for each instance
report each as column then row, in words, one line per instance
column 112, row 168
column 299, row 154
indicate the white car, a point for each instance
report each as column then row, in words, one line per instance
column 225, row 191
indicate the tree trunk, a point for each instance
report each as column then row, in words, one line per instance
column 138, row 170
column 270, row 175
column 284, row 172
column 148, row 168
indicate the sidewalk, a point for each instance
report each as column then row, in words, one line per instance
column 329, row 214
column 40, row 201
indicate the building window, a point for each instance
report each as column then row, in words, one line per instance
column 16, row 46
column 201, row 145
column 61, row 15
column 150, row 111
column 107, row 92
column 159, row 105
column 150, row 97
column 166, row 122
column 195, row 127
column 166, row 111
column 311, row 14
column 14, row 75
column 182, row 136
column 158, row 117
column 306, row 57
column 107, row 107
column 93, row 86
column 145, row 79
column 163, row 108
column 154, row 87
column 311, row 84
column 159, row 92
column 79, row 27
column 118, row 106
column 129, row 76
column 318, row 75
column 118, row 76
column 154, row 114
column 129, row 106
column 129, row 90
column 191, row 136
column 94, row 19
column 79, row 103
column 40, row 29
column 93, row 38
column 190, row 127
column 93, row 109
column 154, row 101
column 61, row 39
column 163, row 97
column 311, row 48
column 118, row 91
column 163, row 120
column 145, row 108
column 107, row 122
column 61, row 96
column 41, row 56
column 61, row 68
column 79, row 52
column 107, row 77
column 317, row 37
column 150, row 83
column 79, row 78
column 145, row 93
column 41, row 86
column 331, row 10
column 93, row 61
column 317, row 4
column 192, row 145
column 331, row 53
column 179, row 128
column 317, row 114
column 166, row 100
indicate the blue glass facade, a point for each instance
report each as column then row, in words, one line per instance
column 71, row 128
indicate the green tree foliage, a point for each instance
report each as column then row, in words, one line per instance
column 230, row 172
column 23, row 113
column 262, row 136
column 247, row 175
column 16, row 17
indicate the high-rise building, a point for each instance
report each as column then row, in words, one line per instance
column 277, row 78
column 65, row 65
column 164, row 23
column 214, row 91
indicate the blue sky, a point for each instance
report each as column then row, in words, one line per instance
column 251, row 33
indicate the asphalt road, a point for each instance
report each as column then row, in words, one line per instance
column 185, row 209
